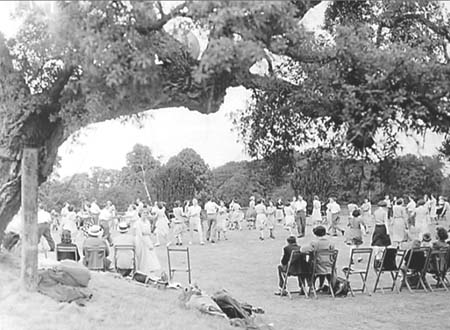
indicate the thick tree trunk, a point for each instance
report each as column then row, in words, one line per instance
column 40, row 133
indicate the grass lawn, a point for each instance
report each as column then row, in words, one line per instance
column 243, row 265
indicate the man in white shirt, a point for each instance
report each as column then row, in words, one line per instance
column 300, row 215
column 44, row 220
column 211, row 209
column 335, row 211
column 94, row 210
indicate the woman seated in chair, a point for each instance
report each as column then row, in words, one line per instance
column 323, row 265
column 441, row 239
column 66, row 241
column 440, row 243
column 416, row 263
column 95, row 242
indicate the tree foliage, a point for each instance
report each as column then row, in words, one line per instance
column 382, row 70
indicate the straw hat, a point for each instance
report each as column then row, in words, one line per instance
column 95, row 231
column 426, row 237
column 123, row 227
column 382, row 204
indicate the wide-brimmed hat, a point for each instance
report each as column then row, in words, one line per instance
column 426, row 237
column 123, row 227
column 95, row 231
column 382, row 204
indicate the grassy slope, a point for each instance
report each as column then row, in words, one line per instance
column 243, row 265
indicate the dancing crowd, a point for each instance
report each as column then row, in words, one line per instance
column 144, row 226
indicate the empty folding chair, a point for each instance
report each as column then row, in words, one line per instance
column 95, row 258
column 297, row 267
column 172, row 270
column 323, row 265
column 388, row 264
column 438, row 267
column 415, row 268
column 360, row 268
column 66, row 252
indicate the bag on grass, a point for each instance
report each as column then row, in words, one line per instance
column 341, row 287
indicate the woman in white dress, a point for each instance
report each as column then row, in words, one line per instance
column 279, row 214
column 261, row 218
column 432, row 208
column 195, row 221
column 179, row 226
column 222, row 219
column 69, row 222
column 271, row 212
column 316, row 215
column 421, row 218
column 162, row 224
column 146, row 260
column 366, row 211
column 289, row 217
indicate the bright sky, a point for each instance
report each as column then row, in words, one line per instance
column 168, row 131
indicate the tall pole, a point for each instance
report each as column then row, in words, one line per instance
column 29, row 172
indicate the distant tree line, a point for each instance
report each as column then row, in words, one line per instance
column 315, row 171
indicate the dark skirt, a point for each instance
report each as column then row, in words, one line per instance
column 380, row 236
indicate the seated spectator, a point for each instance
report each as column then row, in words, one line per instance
column 125, row 259
column 441, row 236
column 282, row 269
column 417, row 259
column 66, row 240
column 321, row 243
column 436, row 265
column 415, row 264
column 94, row 241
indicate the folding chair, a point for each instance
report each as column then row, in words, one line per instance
column 416, row 266
column 326, row 259
column 438, row 266
column 125, row 248
column 172, row 271
column 366, row 255
column 389, row 264
column 66, row 249
column 297, row 266
column 95, row 258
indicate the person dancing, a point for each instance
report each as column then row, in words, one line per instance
column 195, row 221
column 222, row 217
column 178, row 223
column 261, row 218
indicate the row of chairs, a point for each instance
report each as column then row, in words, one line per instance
column 414, row 264
column 96, row 257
